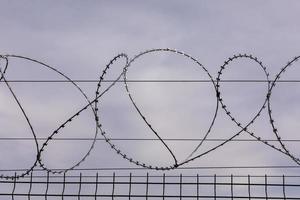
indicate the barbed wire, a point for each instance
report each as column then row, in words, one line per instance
column 93, row 106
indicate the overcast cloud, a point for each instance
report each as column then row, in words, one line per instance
column 80, row 37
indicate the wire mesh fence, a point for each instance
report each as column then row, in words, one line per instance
column 114, row 186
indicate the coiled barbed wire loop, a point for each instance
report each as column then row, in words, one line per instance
column 3, row 79
column 93, row 106
column 272, row 121
column 198, row 64
column 40, row 150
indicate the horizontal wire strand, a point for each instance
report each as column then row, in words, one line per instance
column 179, row 168
column 152, row 81
column 159, row 176
column 151, row 139
column 150, row 196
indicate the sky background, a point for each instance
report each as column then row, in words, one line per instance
column 80, row 37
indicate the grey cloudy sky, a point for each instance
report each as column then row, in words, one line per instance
column 80, row 37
